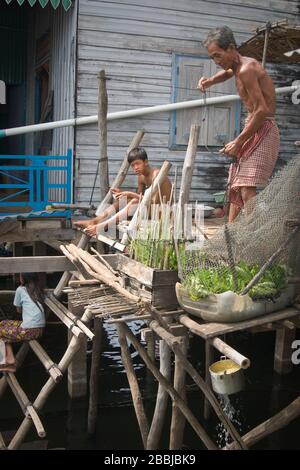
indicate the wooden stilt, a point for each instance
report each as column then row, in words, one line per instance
column 171, row 391
column 133, row 383
column 176, row 348
column 40, row 400
column 102, row 127
column 283, row 350
column 77, row 370
column 209, row 353
column 161, row 399
column 178, row 419
column 95, row 376
column 278, row 421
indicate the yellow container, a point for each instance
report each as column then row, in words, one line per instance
column 226, row 377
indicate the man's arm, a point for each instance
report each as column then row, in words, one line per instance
column 219, row 77
column 131, row 194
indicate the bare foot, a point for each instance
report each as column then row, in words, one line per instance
column 8, row 368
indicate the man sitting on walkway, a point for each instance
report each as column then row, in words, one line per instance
column 126, row 202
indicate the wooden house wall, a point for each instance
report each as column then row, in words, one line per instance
column 133, row 40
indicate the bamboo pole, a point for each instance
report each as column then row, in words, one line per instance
column 146, row 201
column 176, row 348
column 59, row 313
column 25, row 404
column 188, row 166
column 84, row 239
column 268, row 263
column 41, row 399
column 100, row 271
column 273, row 424
column 231, row 353
column 161, row 399
column 94, row 377
column 2, row 443
column 142, row 317
column 178, row 419
column 171, row 391
column 133, row 383
column 102, row 127
column 72, row 317
column 47, row 362
column 208, row 361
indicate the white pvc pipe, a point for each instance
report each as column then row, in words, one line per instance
column 130, row 113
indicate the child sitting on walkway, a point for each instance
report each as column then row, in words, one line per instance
column 29, row 300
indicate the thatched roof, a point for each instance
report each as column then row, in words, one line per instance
column 282, row 38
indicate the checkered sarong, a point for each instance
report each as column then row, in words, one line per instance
column 256, row 161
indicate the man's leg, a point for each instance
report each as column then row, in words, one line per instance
column 126, row 211
column 10, row 358
column 248, row 193
column 234, row 211
column 106, row 213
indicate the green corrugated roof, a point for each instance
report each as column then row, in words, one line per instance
column 54, row 3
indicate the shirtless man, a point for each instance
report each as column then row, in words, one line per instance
column 255, row 150
column 128, row 201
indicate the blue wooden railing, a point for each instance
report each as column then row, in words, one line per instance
column 28, row 184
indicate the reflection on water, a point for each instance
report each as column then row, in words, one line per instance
column 66, row 420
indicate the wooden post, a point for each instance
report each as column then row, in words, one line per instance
column 188, row 166
column 77, row 370
column 102, row 126
column 40, row 400
column 283, row 350
column 133, row 383
column 40, row 249
column 178, row 419
column 209, row 354
column 267, row 34
column 161, row 399
column 95, row 376
column 171, row 391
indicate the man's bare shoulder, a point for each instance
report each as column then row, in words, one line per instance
column 250, row 67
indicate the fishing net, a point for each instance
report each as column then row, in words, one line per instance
column 237, row 251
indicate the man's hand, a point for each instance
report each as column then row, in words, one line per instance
column 91, row 230
column 232, row 149
column 122, row 194
column 204, row 83
column 115, row 190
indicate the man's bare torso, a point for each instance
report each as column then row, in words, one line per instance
column 264, row 80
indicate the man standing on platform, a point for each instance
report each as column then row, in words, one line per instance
column 255, row 150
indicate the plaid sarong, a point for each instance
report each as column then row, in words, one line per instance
column 11, row 331
column 256, row 161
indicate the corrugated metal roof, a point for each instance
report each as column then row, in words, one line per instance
column 54, row 3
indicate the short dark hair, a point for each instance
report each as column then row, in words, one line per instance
column 223, row 36
column 138, row 153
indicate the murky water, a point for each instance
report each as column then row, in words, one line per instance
column 66, row 420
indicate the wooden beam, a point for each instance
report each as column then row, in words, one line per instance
column 38, row 264
column 43, row 234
